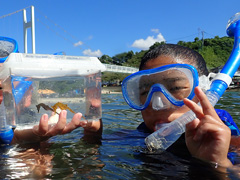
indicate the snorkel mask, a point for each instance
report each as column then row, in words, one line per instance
column 163, row 87
column 7, row 46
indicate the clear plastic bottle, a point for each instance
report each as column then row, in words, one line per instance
column 168, row 134
column 6, row 132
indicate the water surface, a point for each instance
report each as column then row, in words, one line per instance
column 119, row 154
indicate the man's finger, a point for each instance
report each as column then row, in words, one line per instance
column 58, row 128
column 205, row 103
column 207, row 107
column 73, row 124
column 43, row 126
column 194, row 107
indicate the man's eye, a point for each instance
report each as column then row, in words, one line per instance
column 176, row 88
column 144, row 93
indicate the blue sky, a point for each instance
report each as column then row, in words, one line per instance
column 97, row 27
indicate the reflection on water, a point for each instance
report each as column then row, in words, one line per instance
column 26, row 162
column 120, row 154
column 230, row 102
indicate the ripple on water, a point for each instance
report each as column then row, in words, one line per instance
column 119, row 154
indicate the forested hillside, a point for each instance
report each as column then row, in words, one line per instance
column 215, row 51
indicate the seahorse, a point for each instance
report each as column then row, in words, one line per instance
column 55, row 107
column 46, row 107
column 62, row 107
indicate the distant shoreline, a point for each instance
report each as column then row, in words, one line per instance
column 105, row 90
column 63, row 100
column 112, row 90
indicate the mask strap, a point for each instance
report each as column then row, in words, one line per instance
column 205, row 82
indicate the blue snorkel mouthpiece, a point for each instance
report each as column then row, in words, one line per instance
column 169, row 133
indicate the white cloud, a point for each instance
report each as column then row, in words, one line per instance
column 155, row 30
column 79, row 43
column 144, row 44
column 89, row 52
column 90, row 37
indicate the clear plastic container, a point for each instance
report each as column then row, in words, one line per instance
column 35, row 84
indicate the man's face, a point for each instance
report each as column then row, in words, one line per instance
column 153, row 117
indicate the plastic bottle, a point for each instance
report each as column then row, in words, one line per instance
column 169, row 133
column 6, row 132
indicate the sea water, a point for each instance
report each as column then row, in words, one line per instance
column 119, row 154
column 32, row 97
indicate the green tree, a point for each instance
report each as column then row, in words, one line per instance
column 111, row 77
column 135, row 60
column 210, row 57
column 106, row 59
column 215, row 51
column 122, row 58
column 156, row 44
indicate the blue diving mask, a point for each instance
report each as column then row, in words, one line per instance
column 7, row 46
column 163, row 87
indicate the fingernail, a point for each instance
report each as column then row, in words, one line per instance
column 80, row 115
column 64, row 113
column 83, row 123
column 45, row 117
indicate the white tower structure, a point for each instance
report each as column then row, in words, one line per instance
column 26, row 25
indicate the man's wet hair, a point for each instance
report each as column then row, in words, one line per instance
column 181, row 53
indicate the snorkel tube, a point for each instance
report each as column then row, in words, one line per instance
column 169, row 133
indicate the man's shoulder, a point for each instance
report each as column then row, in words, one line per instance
column 228, row 121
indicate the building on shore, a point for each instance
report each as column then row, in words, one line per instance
column 235, row 80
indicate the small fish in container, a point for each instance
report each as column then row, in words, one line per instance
column 37, row 84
